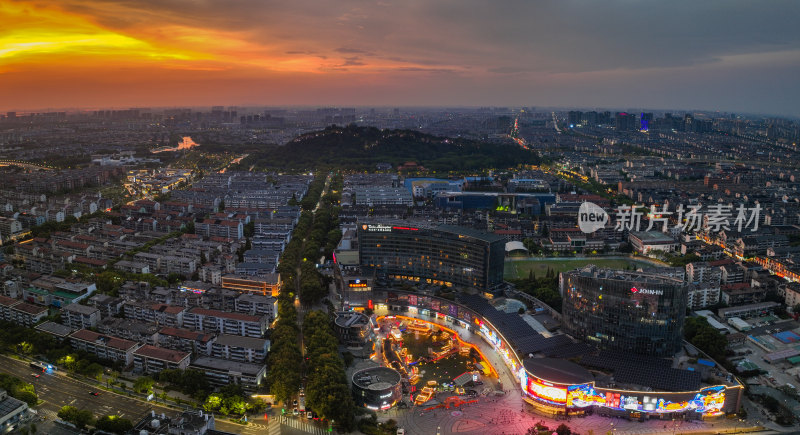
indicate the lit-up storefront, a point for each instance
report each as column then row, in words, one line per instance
column 571, row 389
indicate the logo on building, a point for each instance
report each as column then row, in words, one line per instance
column 646, row 291
column 591, row 217
column 376, row 228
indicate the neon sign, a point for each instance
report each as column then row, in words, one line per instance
column 547, row 392
column 708, row 401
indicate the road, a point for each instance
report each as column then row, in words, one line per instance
column 58, row 390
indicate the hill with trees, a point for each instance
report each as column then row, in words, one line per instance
column 354, row 147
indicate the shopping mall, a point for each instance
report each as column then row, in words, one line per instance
column 603, row 381
column 629, row 311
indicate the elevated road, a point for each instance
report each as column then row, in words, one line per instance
column 24, row 164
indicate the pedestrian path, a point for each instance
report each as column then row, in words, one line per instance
column 301, row 424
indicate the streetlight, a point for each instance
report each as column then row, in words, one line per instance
column 736, row 427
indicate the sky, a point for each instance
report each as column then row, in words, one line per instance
column 727, row 55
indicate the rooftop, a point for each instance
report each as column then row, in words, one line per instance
column 376, row 378
column 185, row 334
column 218, row 364
column 91, row 336
column 54, row 328
column 80, row 309
column 225, row 315
column 239, row 341
column 653, row 237
column 170, row 355
column 559, row 371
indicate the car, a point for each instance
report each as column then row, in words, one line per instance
column 295, row 412
column 294, row 403
column 36, row 375
column 94, row 393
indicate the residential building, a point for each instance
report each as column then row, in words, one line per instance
column 78, row 316
column 12, row 411
column 57, row 330
column 645, row 242
column 220, row 372
column 202, row 319
column 197, row 343
column 257, row 305
column 162, row 314
column 152, row 360
column 238, row 348
column 27, row 314
column 104, row 346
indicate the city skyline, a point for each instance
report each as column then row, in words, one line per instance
column 726, row 56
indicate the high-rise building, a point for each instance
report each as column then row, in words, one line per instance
column 645, row 119
column 634, row 312
column 441, row 255
column 625, row 121
column 574, row 118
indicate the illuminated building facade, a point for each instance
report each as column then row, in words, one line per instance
column 559, row 386
column 377, row 388
column 634, row 312
column 442, row 255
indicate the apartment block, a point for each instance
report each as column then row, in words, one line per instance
column 104, row 346
column 202, row 319
column 151, row 360
column 238, row 348
column 79, row 316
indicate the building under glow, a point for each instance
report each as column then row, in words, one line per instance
column 441, row 255
column 634, row 312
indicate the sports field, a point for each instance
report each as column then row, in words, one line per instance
column 521, row 268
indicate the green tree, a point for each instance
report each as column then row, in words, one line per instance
column 79, row 417
column 114, row 424
column 213, row 402
column 144, row 384
column 250, row 229
column 563, row 429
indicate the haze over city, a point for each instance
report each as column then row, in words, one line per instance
column 450, row 217
column 739, row 56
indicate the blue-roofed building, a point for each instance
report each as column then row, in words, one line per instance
column 528, row 203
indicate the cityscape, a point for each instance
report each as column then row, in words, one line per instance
column 385, row 219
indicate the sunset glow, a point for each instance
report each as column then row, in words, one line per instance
column 81, row 53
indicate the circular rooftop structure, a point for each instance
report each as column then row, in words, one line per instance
column 376, row 378
column 557, row 371
column 377, row 388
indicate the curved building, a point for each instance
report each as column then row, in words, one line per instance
column 610, row 383
column 441, row 255
column 377, row 387
column 634, row 312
